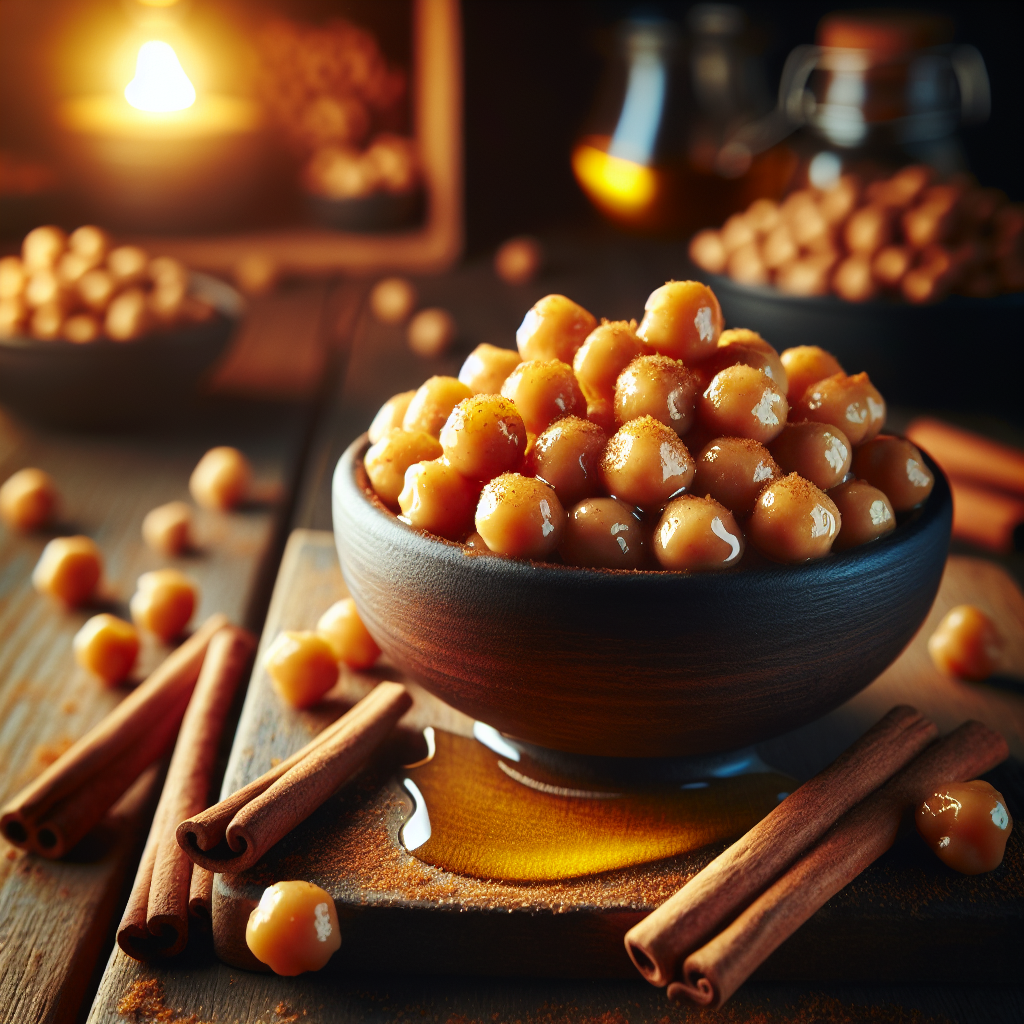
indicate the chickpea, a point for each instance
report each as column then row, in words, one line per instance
column 779, row 249
column 806, row 276
column 896, row 467
column 221, row 478
column 44, row 288
column 431, row 332
column 806, row 365
column 819, row 452
column 852, row 404
column 868, row 230
column 609, row 348
column 42, row 247
column 794, row 521
column 746, row 355
column 839, row 201
column 743, row 402
column 601, row 412
column 486, row 368
column 294, row 928
column 682, row 319
column 520, row 517
column 604, row 533
column 108, row 647
column 484, row 437
column 762, row 215
column 554, row 328
column 747, row 339
column 71, row 267
column 127, row 316
column 853, row 279
column 81, row 329
column 866, row 514
column 69, row 569
column 966, row 824
column 544, row 392
column 438, row 498
column 734, row 471
column 566, row 456
column 47, row 322
column 430, row 407
column 12, row 277
column 389, row 416
column 707, row 250
column 302, row 667
column 518, row 260
column 90, row 242
column 891, row 264
column 166, row 301
column 746, row 265
column 697, row 535
column 167, row 529
column 393, row 300
column 128, row 264
column 350, row 640
column 96, row 288
column 387, row 460
column 645, row 463
column 966, row 644
column 163, row 602
column 661, row 387
column 28, row 499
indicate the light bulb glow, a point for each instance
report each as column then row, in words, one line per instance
column 160, row 85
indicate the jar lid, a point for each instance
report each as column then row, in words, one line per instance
column 884, row 31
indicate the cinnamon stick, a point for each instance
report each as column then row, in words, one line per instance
column 969, row 456
column 200, row 898
column 99, row 767
column 155, row 922
column 714, row 972
column 233, row 835
column 658, row 944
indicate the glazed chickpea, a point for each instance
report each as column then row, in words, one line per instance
column 895, row 466
column 604, row 533
column 520, row 517
column 165, row 271
column 853, row 279
column 750, row 341
column 387, row 460
column 966, row 644
column 90, row 242
column 708, row 251
column 302, row 667
column 438, row 498
column 163, row 602
column 736, row 355
column 890, row 265
column 645, row 463
column 819, row 452
column 108, row 647
column 44, row 288
column 518, row 260
column 167, row 529
column 554, row 328
column 389, row 415
column 71, row 266
column 806, row 365
column 486, row 368
column 852, row 404
column 220, row 479
column 661, row 387
column 697, row 535
column 294, row 928
column 69, row 569
column 12, row 277
column 42, row 247
column 734, row 471
column 96, row 288
column 966, row 824
column 608, row 350
column 866, row 514
column 128, row 264
column 28, row 499
column 81, row 329
column 544, row 392
column 484, row 437
column 393, row 300
column 682, row 319
column 350, row 640
column 868, row 230
column 46, row 322
column 566, row 456
column 127, row 316
column 166, row 301
column 743, row 402
column 431, row 332
column 433, row 402
column 794, row 521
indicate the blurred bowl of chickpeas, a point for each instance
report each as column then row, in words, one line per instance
column 653, row 539
column 96, row 334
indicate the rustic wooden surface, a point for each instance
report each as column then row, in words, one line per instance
column 56, row 917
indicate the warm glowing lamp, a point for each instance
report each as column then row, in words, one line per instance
column 160, row 84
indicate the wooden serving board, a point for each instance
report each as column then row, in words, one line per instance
column 896, row 918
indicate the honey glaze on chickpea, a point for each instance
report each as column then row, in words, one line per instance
column 580, row 446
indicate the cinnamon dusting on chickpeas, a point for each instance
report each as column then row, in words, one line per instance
column 734, row 471
column 658, row 386
column 520, row 517
column 645, row 463
column 794, row 521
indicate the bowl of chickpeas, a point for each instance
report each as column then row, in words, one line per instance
column 96, row 334
column 653, row 539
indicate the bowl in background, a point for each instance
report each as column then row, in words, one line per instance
column 634, row 664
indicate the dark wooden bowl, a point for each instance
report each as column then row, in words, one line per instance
column 634, row 664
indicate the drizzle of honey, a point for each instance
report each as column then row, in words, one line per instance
column 501, row 814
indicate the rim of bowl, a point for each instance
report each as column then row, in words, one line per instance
column 935, row 506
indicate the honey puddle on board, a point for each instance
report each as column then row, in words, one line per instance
column 505, row 816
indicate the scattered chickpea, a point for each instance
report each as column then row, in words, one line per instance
column 108, row 647
column 69, row 569
column 486, row 368
column 966, row 825
column 741, row 401
column 794, row 521
column 433, row 402
column 645, row 463
column 167, row 529
column 221, row 478
column 682, row 319
column 392, row 300
column 294, row 928
column 608, row 350
column 734, row 471
column 520, row 517
column 966, row 644
column 697, row 535
column 851, row 403
column 28, row 499
column 302, row 667
column 431, row 332
column 554, row 328
column 896, row 467
column 438, row 498
column 350, row 640
column 544, row 391
column 389, row 415
column 566, row 456
column 163, row 602
column 658, row 386
column 604, row 533
column 484, row 437
column 388, row 459
column 866, row 514
column 806, row 365
column 518, row 260
column 819, row 452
